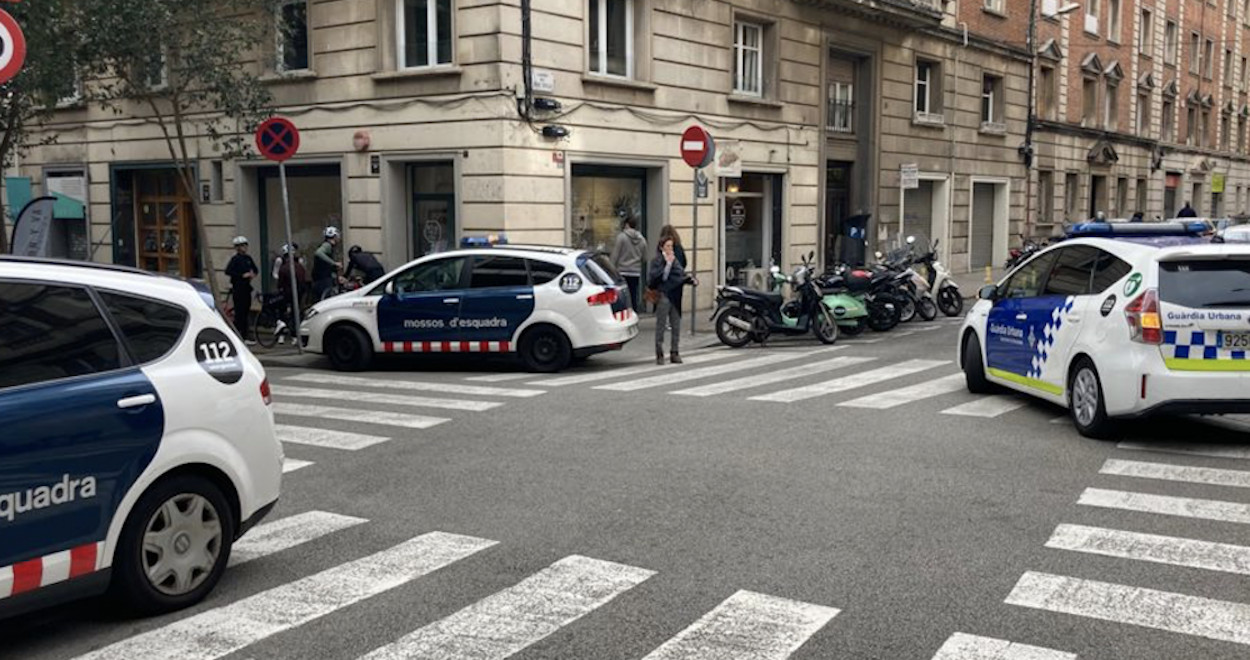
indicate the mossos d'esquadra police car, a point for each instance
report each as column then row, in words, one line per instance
column 1119, row 320
column 136, row 438
column 547, row 305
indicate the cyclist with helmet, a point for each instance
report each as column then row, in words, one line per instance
column 242, row 270
column 365, row 262
column 325, row 269
column 281, row 259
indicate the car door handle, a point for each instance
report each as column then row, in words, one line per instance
column 136, row 401
column 451, row 301
column 1022, row 317
column 1074, row 318
column 525, row 296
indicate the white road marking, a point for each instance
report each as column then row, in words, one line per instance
column 685, row 375
column 853, row 381
column 747, row 626
column 1162, row 610
column 926, row 328
column 1183, row 473
column 988, row 406
column 778, row 376
column 900, row 335
column 902, row 395
column 282, row 391
column 1062, row 419
column 286, row 533
column 293, row 464
column 366, row 416
column 221, row 631
column 962, row 646
column 1234, row 512
column 606, row 374
column 340, row 381
column 302, row 435
column 1170, row 550
column 504, row 623
column 499, row 378
column 1241, row 452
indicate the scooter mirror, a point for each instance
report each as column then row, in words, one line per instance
column 988, row 292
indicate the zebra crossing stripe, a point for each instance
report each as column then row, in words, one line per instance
column 917, row 392
column 1190, row 553
column 988, row 406
column 962, row 646
column 671, row 378
column 607, row 374
column 503, row 624
column 220, row 631
column 777, row 376
column 1217, row 510
column 303, row 435
column 340, row 381
column 1190, row 449
column 1161, row 610
column 747, row 625
column 1183, row 473
column 282, row 392
column 286, row 533
column 367, row 416
column 293, row 464
column 498, row 378
column 853, row 381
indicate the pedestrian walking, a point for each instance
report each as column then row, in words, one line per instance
column 242, row 270
column 667, row 277
column 627, row 255
column 1187, row 212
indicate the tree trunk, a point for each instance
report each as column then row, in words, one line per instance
column 13, row 113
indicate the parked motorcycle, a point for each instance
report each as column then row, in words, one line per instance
column 876, row 290
column 913, row 290
column 943, row 288
column 1021, row 254
column 745, row 315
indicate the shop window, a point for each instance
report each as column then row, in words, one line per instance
column 315, row 193
column 292, row 36
column 603, row 198
column 424, row 33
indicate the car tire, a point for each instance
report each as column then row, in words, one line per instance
column 195, row 524
column 974, row 368
column 545, row 349
column 1086, row 403
column 348, row 348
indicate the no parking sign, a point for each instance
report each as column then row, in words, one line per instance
column 12, row 47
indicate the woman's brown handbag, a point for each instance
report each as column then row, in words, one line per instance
column 651, row 295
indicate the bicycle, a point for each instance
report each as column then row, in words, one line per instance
column 272, row 322
column 342, row 287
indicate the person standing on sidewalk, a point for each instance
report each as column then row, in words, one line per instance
column 627, row 256
column 241, row 270
column 667, row 277
column 668, row 232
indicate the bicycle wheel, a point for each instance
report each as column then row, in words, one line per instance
column 265, row 329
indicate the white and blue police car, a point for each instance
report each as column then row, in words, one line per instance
column 1119, row 320
column 546, row 305
column 138, row 442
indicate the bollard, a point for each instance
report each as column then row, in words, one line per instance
column 989, row 275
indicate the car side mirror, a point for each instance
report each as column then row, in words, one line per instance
column 389, row 289
column 988, row 292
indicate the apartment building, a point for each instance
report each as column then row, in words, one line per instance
column 414, row 132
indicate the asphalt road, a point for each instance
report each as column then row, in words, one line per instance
column 731, row 507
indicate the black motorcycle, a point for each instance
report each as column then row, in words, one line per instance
column 744, row 315
column 878, row 290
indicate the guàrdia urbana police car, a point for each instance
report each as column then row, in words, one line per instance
column 545, row 305
column 137, row 440
column 1119, row 320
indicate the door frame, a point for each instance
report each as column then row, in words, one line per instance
column 771, row 200
column 1002, row 217
column 939, row 222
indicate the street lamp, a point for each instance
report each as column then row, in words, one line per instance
column 1026, row 149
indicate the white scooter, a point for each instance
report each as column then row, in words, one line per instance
column 943, row 288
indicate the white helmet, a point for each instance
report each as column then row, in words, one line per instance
column 286, row 248
column 331, row 232
column 239, row 240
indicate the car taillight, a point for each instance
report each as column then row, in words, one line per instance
column 264, row 392
column 1144, row 322
column 606, row 297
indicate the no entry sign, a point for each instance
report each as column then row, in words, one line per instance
column 277, row 139
column 12, row 47
column 697, row 147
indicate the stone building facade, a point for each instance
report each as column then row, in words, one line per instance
column 413, row 134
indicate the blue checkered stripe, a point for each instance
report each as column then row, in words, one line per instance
column 1041, row 352
column 1199, row 345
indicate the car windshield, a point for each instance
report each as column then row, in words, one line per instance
column 598, row 269
column 1199, row 284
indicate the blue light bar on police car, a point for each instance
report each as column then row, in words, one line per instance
column 1126, row 229
column 483, row 241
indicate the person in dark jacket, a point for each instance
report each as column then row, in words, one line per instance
column 365, row 262
column 1187, row 212
column 669, row 232
column 242, row 270
column 667, row 276
column 288, row 300
column 1138, row 217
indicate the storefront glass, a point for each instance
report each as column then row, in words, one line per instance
column 433, row 208
column 752, row 229
column 316, row 197
column 603, row 197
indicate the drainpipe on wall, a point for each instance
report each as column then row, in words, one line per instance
column 527, row 60
column 950, row 186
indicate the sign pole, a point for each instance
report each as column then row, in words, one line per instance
column 694, row 249
column 292, row 259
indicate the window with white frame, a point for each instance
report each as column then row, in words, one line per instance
column 748, row 58
column 995, row 6
column 927, row 88
column 1171, row 36
column 841, row 107
column 991, row 99
column 423, row 33
column 292, row 36
column 1092, row 8
column 611, row 40
column 1113, row 20
column 1146, row 37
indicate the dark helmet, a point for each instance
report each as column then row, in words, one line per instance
column 355, row 249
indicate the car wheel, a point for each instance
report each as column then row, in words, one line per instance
column 174, row 546
column 348, row 348
column 546, row 350
column 974, row 368
column 1085, row 401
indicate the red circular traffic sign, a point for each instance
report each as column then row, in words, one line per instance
column 12, row 47
column 697, row 147
column 277, row 139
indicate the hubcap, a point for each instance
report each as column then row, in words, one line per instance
column 545, row 349
column 1085, row 397
column 181, row 544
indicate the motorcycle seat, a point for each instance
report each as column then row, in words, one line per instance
column 766, row 296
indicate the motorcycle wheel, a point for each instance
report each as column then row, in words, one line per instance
column 926, row 308
column 855, row 329
column 730, row 335
column 950, row 302
column 906, row 307
column 880, row 318
column 825, row 329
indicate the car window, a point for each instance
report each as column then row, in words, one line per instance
column 599, row 270
column 49, row 332
column 1027, row 282
column 439, row 275
column 1206, row 284
column 1071, row 272
column 491, row 271
column 1109, row 270
column 542, row 272
column 151, row 329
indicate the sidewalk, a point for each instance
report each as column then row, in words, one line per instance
column 971, row 283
